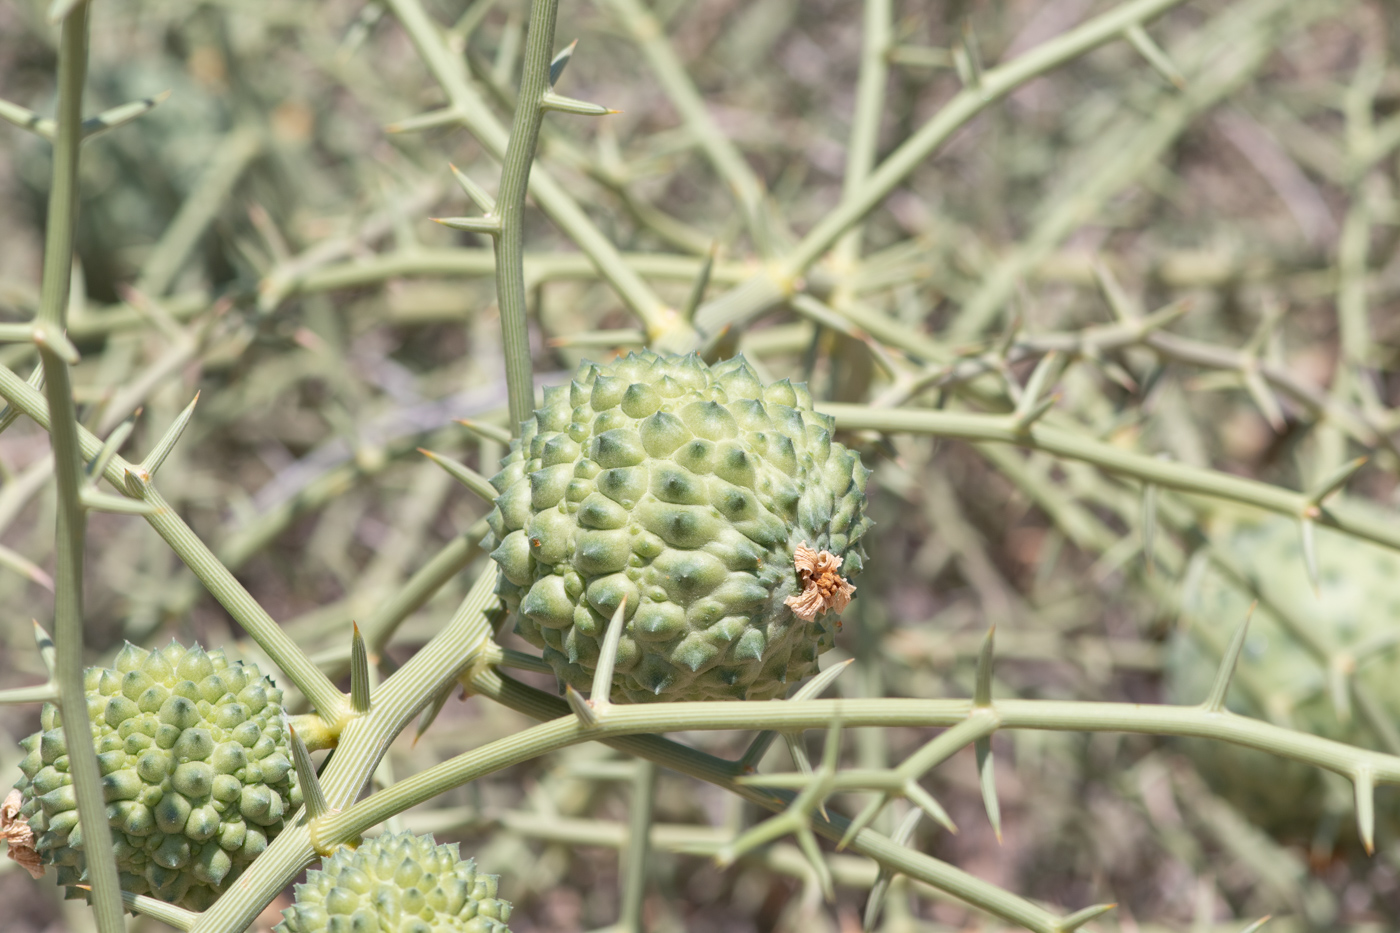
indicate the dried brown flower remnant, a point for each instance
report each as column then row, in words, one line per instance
column 20, row 837
column 823, row 588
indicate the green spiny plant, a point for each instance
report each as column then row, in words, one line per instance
column 852, row 306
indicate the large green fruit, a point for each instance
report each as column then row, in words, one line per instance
column 689, row 492
column 195, row 768
column 1278, row 678
column 397, row 883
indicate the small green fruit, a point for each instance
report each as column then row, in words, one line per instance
column 1278, row 678
column 717, row 510
column 397, row 883
column 176, row 731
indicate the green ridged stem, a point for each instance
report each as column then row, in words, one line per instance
column 1071, row 716
column 474, row 263
column 68, row 472
column 726, row 159
column 41, row 693
column 363, row 742
column 380, row 625
column 623, row 721
column 1179, row 476
column 864, row 141
column 553, row 199
column 637, row 857
column 509, row 241
column 766, row 288
column 221, row 583
column 1244, row 37
column 199, row 210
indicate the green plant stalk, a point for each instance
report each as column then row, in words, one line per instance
column 474, row 263
column 1239, row 43
column 199, row 210
column 221, row 583
column 380, row 625
column 767, row 288
column 362, row 744
column 510, row 210
column 16, row 493
column 446, row 68
column 620, row 722
column 41, row 693
column 68, row 471
column 876, row 39
column 1179, row 476
column 724, row 156
column 638, row 854
column 565, row 731
column 1057, row 715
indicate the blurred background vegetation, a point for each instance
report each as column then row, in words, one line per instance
column 262, row 237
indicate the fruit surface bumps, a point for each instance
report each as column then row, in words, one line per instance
column 396, row 883
column 1278, row 678
column 195, row 767
column 684, row 490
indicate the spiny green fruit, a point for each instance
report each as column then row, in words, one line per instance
column 195, row 768
column 1278, row 678
column 397, row 883
column 719, row 509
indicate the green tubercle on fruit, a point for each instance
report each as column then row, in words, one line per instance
column 195, row 768
column 396, row 883
column 717, row 509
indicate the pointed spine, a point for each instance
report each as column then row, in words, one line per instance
column 95, row 501
column 982, row 699
column 121, row 115
column 1334, row 481
column 881, row 888
column 155, row 458
column 430, row 712
column 465, row 475
column 359, row 672
column 1307, row 531
column 177, row 917
column 1159, row 60
column 486, row 431
column 311, row 793
column 561, row 104
column 560, row 62
column 748, row 762
column 1364, row 781
column 114, row 442
column 1220, row 687
column 479, row 195
column 47, row 651
column 1080, row 917
column 702, row 282
column 491, row 226
column 607, row 656
column 431, row 120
